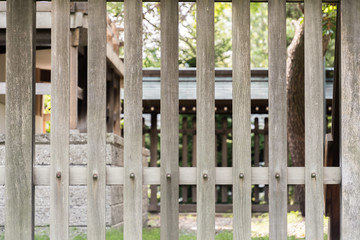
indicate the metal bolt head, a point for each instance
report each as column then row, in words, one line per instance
column 95, row 176
column 205, row 176
column 132, row 175
column 313, row 175
column 241, row 175
column 277, row 175
column 168, row 175
column 58, row 174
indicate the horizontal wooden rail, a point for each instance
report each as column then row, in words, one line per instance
column 151, row 175
column 295, row 1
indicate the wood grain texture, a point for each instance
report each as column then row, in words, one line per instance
column 96, row 119
column 314, row 120
column 133, row 120
column 74, row 81
column 184, row 156
column 169, row 216
column 205, row 116
column 60, row 117
column 350, row 118
column 241, row 120
column 277, row 121
column 19, row 119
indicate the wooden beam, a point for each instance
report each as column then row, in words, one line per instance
column 350, row 117
column 205, row 116
column 187, row 175
column 19, row 120
column 60, row 116
column 314, row 120
column 241, row 120
column 278, row 155
column 169, row 177
column 74, row 51
column 133, row 120
column 96, row 120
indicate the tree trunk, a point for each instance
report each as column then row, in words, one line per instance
column 295, row 76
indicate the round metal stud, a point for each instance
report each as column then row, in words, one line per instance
column 95, row 176
column 241, row 175
column 168, row 175
column 277, row 175
column 58, row 174
column 132, row 175
column 313, row 175
column 205, row 176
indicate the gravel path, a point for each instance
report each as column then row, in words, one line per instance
column 223, row 222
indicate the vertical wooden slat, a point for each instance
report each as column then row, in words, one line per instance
column 350, row 118
column 256, row 156
column 20, row 97
column 224, row 157
column 169, row 120
column 96, row 119
column 133, row 120
column 60, row 116
column 153, row 160
column 184, row 155
column 241, row 120
column 314, row 120
column 277, row 121
column 193, row 160
column 110, row 96
column 205, row 116
column 117, row 104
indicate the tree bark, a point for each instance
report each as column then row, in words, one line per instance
column 295, row 76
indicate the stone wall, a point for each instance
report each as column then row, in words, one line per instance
column 77, row 194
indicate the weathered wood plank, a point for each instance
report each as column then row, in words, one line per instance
column 350, row 118
column 277, row 121
column 242, row 174
column 205, row 116
column 187, row 175
column 169, row 228
column 133, row 120
column 96, row 119
column 314, row 120
column 20, row 100
column 60, row 117
column 193, row 160
column 256, row 155
column 153, row 158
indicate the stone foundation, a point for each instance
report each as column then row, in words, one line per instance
column 77, row 194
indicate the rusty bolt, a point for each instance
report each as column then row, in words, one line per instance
column 58, row 174
column 277, row 175
column 241, row 175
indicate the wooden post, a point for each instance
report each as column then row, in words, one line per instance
column 153, row 160
column 277, row 121
column 74, row 50
column 350, row 118
column 20, row 118
column 314, row 120
column 241, row 120
column 224, row 189
column 60, row 116
column 169, row 177
column 205, row 116
column 256, row 156
column 96, row 120
column 133, row 121
column 184, row 155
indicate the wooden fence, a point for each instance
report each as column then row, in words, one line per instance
column 19, row 176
